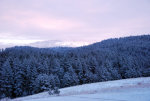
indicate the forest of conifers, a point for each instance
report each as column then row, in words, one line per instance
column 28, row 70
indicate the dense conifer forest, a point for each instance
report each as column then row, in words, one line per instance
column 28, row 70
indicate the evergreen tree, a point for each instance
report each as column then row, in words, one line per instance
column 6, row 79
column 27, row 70
column 42, row 83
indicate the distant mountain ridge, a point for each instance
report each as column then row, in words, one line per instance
column 58, row 43
column 49, row 43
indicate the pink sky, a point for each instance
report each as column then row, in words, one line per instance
column 72, row 20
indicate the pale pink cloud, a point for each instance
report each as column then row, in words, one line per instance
column 30, row 19
column 73, row 19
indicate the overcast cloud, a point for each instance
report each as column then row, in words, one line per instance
column 27, row 21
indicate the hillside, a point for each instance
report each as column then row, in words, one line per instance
column 137, row 89
column 29, row 70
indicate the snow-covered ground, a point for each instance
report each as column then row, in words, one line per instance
column 137, row 89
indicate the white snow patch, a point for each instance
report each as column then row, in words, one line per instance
column 135, row 89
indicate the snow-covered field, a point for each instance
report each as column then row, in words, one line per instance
column 137, row 89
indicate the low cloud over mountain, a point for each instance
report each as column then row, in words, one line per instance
column 50, row 43
column 57, row 43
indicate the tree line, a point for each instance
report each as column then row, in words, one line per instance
column 29, row 70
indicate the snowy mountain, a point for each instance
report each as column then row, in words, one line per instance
column 58, row 43
column 136, row 89
column 47, row 44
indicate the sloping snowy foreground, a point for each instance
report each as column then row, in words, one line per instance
column 137, row 89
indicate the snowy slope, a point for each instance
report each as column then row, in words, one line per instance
column 137, row 89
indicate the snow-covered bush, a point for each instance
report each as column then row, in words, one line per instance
column 50, row 92
column 54, row 91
